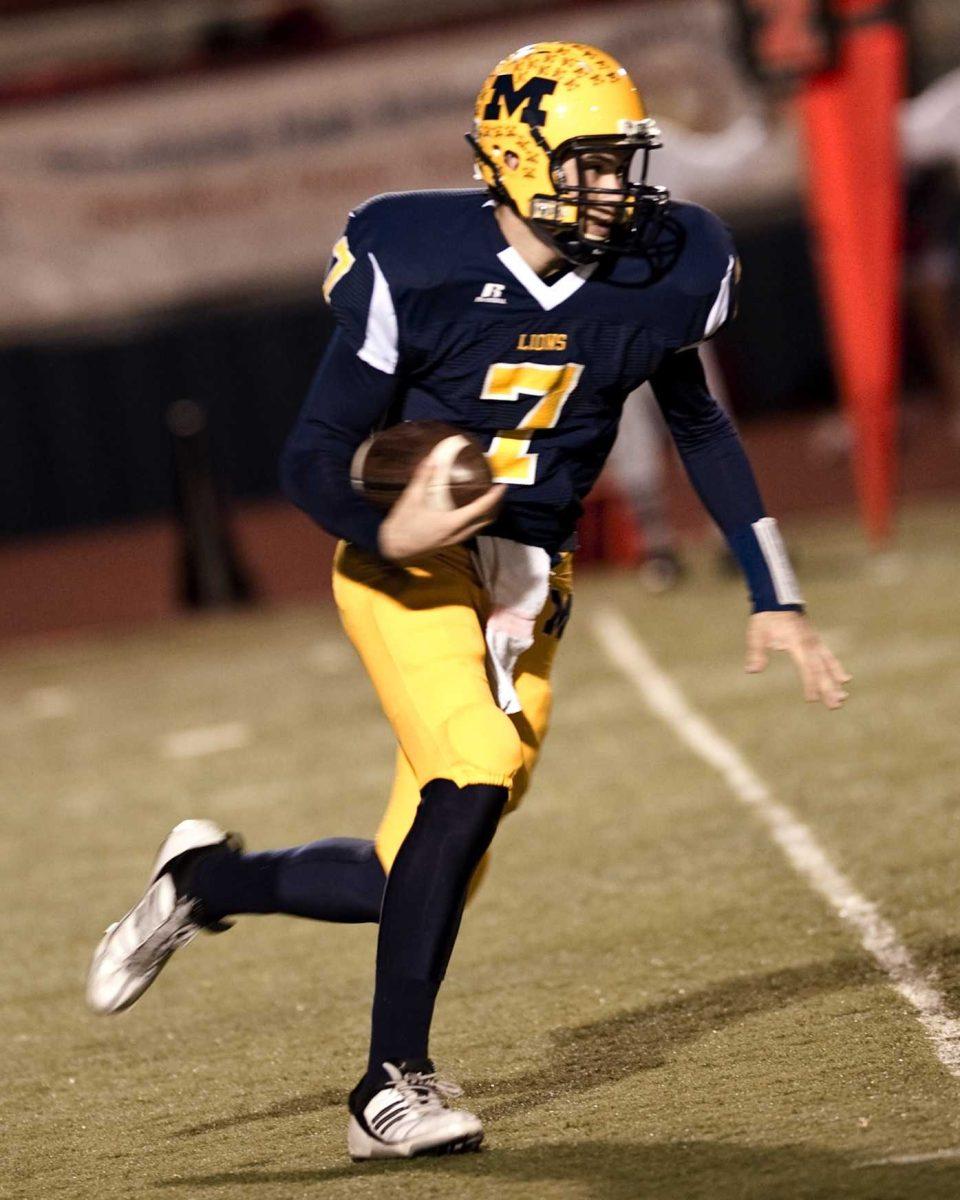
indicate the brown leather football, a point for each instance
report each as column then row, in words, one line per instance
column 382, row 467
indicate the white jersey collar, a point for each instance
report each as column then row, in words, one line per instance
column 547, row 295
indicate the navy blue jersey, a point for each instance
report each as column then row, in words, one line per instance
column 439, row 318
column 425, row 288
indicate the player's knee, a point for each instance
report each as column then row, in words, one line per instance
column 484, row 745
column 518, row 789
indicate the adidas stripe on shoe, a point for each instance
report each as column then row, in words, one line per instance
column 409, row 1116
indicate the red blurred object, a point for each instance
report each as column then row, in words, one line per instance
column 607, row 531
column 55, row 81
column 785, row 40
column 856, row 208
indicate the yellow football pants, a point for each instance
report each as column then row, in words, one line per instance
column 418, row 628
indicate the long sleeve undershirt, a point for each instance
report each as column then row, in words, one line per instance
column 346, row 401
column 717, row 465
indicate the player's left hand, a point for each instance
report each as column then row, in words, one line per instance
column 821, row 674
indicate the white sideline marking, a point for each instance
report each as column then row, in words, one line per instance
column 909, row 1160
column 330, row 658
column 804, row 853
column 210, row 739
column 46, row 703
column 889, row 570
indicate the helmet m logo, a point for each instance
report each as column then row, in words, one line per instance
column 530, row 95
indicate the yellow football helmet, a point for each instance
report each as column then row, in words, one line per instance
column 551, row 102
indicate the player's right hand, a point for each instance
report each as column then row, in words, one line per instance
column 415, row 526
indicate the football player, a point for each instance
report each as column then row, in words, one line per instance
column 523, row 312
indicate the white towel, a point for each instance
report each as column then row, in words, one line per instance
column 517, row 580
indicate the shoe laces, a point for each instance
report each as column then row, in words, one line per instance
column 427, row 1090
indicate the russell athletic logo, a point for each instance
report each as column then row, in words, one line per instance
column 530, row 95
column 492, row 294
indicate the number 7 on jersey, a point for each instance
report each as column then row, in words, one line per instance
column 509, row 456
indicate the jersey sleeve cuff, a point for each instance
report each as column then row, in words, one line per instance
column 763, row 558
column 364, row 528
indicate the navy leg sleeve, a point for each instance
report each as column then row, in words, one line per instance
column 422, row 907
column 339, row 879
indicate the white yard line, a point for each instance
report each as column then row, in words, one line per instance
column 802, row 850
column 910, row 1160
column 208, row 739
column 46, row 703
column 331, row 658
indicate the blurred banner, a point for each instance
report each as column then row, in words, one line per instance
column 241, row 182
column 200, row 187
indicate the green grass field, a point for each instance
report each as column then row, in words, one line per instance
column 646, row 1000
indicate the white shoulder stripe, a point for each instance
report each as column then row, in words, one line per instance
column 721, row 306
column 380, row 346
column 778, row 564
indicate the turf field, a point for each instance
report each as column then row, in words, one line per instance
column 647, row 1000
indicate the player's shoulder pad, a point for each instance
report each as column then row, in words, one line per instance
column 706, row 273
column 393, row 246
column 414, row 235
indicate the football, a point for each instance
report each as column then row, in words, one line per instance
column 383, row 466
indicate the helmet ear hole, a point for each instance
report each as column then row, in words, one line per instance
column 511, row 160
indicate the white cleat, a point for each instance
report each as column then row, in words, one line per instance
column 409, row 1116
column 134, row 949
